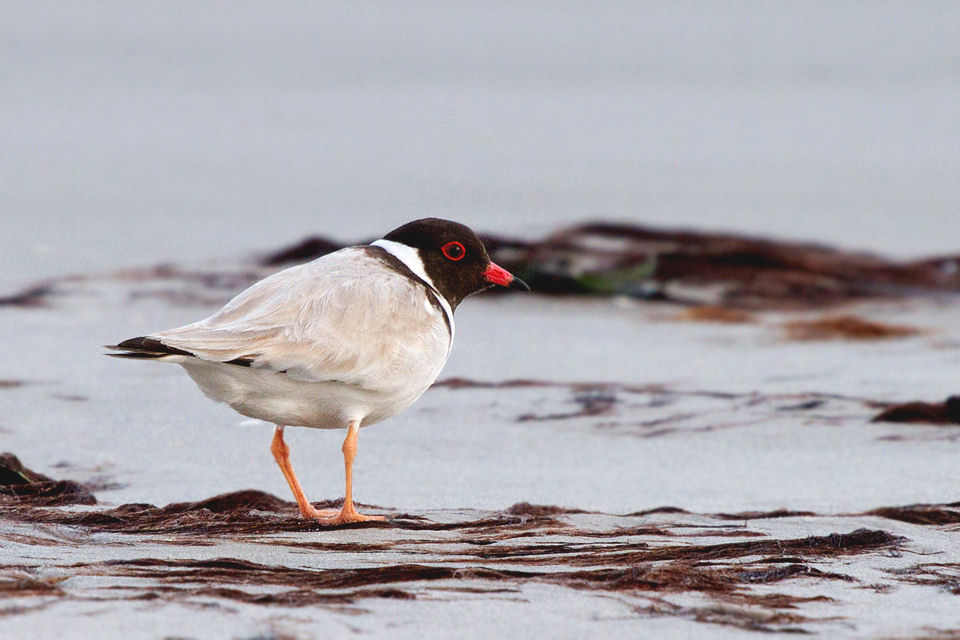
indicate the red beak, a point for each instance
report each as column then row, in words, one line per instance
column 498, row 275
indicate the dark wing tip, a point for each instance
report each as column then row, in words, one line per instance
column 144, row 347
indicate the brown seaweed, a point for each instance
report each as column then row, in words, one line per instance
column 496, row 552
column 714, row 313
column 947, row 412
column 925, row 514
column 845, row 327
column 752, row 273
column 21, row 486
column 35, row 296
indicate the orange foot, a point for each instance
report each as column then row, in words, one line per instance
column 346, row 515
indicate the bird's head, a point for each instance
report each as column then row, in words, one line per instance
column 452, row 256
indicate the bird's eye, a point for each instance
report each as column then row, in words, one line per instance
column 453, row 250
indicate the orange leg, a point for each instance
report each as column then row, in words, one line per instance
column 348, row 513
column 281, row 453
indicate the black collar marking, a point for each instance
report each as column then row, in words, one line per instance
column 396, row 265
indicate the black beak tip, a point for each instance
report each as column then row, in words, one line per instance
column 517, row 283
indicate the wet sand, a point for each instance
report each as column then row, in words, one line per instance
column 248, row 553
column 586, row 465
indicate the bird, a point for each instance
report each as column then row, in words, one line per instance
column 342, row 342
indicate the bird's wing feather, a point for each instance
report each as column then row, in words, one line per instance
column 333, row 319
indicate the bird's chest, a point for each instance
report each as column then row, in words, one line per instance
column 410, row 360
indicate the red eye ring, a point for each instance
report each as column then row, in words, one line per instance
column 453, row 251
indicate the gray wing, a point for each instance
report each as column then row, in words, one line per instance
column 333, row 319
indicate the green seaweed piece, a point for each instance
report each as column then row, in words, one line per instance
column 619, row 280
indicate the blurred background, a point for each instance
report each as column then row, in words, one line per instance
column 133, row 133
column 175, row 152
